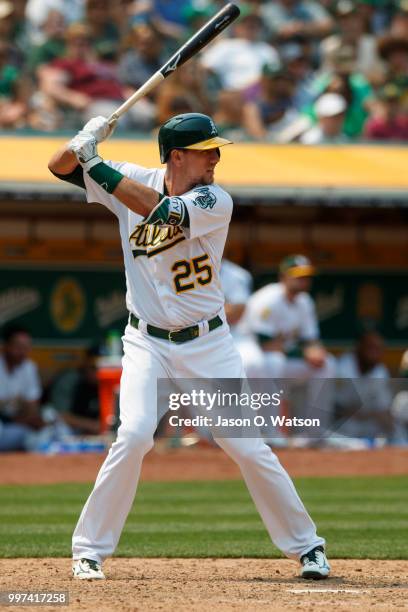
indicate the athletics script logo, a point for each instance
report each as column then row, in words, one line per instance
column 205, row 199
column 150, row 240
column 17, row 301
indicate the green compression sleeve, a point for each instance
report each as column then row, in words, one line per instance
column 108, row 178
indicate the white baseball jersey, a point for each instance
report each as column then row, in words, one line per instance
column 236, row 282
column 22, row 382
column 172, row 273
column 270, row 313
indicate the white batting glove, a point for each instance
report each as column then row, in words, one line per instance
column 84, row 147
column 99, row 128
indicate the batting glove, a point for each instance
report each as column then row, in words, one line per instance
column 99, row 128
column 84, row 147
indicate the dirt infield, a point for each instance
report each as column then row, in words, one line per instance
column 202, row 584
column 201, row 464
column 218, row 584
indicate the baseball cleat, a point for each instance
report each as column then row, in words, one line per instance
column 315, row 565
column 87, row 569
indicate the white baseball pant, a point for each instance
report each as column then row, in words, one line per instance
column 209, row 356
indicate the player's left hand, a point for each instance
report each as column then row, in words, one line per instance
column 99, row 127
column 84, row 147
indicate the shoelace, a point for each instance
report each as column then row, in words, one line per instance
column 315, row 556
column 93, row 565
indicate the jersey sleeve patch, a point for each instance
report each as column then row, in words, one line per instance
column 169, row 211
column 204, row 198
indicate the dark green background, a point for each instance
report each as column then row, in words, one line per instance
column 94, row 284
column 341, row 327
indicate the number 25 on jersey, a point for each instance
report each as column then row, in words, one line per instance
column 190, row 272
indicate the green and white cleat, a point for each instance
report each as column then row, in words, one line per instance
column 87, row 569
column 315, row 565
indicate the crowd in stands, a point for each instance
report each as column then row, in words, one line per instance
column 276, row 331
column 333, row 71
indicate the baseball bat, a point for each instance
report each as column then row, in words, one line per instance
column 198, row 41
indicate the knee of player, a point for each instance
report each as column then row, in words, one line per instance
column 138, row 441
column 245, row 450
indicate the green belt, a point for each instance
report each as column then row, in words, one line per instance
column 179, row 336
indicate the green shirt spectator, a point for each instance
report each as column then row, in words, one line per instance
column 8, row 80
column 45, row 53
column 356, row 90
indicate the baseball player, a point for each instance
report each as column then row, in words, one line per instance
column 173, row 223
column 236, row 283
column 282, row 334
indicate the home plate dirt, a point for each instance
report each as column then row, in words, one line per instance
column 213, row 584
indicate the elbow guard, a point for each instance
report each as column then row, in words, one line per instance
column 169, row 211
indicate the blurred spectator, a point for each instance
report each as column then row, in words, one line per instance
column 364, row 397
column 102, row 30
column 172, row 11
column 238, row 61
column 20, row 390
column 169, row 16
column 399, row 22
column 8, row 33
column 286, row 19
column 196, row 16
column 375, row 15
column 19, row 31
column 14, row 92
column 330, row 110
column 63, row 79
column 121, row 15
column 37, row 12
column 74, row 395
column 351, row 34
column 53, row 44
column 298, row 65
column 353, row 86
column 390, row 118
column 273, row 110
column 185, row 89
column 79, row 84
column 395, row 53
column 143, row 57
column 228, row 115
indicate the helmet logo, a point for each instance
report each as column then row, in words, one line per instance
column 172, row 67
column 205, row 199
column 214, row 130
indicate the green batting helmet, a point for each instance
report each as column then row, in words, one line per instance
column 189, row 131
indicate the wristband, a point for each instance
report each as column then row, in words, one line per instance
column 108, row 178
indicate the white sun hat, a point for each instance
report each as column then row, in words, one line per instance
column 330, row 105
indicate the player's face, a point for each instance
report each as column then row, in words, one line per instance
column 298, row 285
column 18, row 348
column 198, row 166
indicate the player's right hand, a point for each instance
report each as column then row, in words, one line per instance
column 84, row 147
column 315, row 355
column 99, row 128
